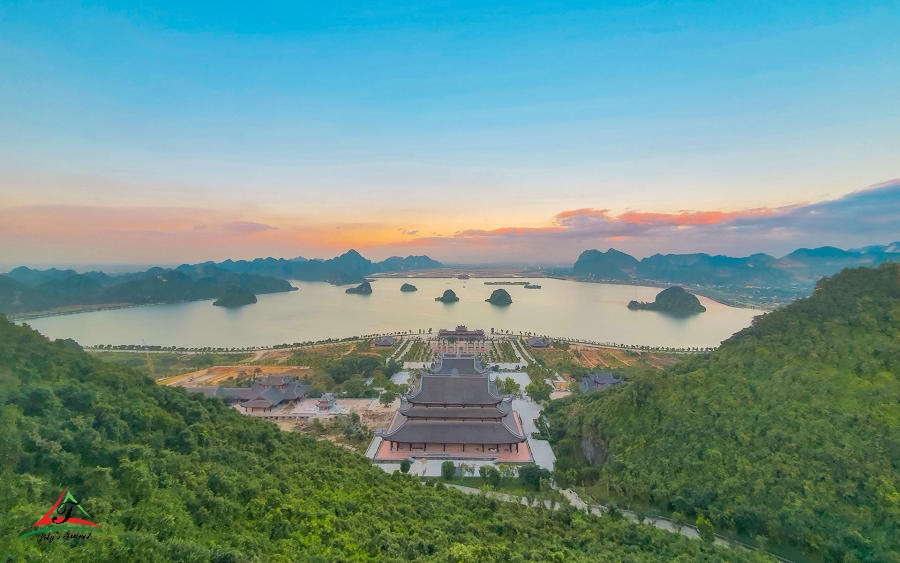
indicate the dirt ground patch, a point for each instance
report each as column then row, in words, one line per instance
column 216, row 374
column 659, row 361
column 278, row 356
column 604, row 357
column 321, row 424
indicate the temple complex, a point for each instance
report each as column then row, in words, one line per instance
column 455, row 411
column 460, row 341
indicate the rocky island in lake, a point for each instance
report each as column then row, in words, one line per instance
column 235, row 297
column 674, row 300
column 365, row 288
column 449, row 296
column 408, row 287
column 499, row 297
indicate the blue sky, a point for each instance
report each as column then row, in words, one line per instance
column 379, row 124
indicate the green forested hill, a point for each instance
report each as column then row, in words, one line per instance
column 178, row 477
column 25, row 290
column 790, row 431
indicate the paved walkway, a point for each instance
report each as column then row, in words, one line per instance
column 398, row 353
column 503, row 496
column 521, row 350
column 400, row 378
column 417, row 365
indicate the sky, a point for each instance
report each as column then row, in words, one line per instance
column 170, row 132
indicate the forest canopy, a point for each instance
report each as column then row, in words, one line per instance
column 789, row 432
column 177, row 476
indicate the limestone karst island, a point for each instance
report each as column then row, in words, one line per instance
column 449, row 296
column 674, row 300
column 499, row 297
column 236, row 297
column 365, row 288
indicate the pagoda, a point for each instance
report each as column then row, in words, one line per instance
column 456, row 411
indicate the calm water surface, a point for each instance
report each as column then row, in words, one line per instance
column 318, row 310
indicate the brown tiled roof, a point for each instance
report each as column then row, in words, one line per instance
column 266, row 393
column 455, row 390
column 275, row 380
column 490, row 411
column 234, row 393
column 454, row 432
column 257, row 404
column 598, row 381
column 259, row 395
column 461, row 332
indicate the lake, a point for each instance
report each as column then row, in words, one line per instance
column 562, row 308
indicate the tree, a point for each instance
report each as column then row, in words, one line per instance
column 705, row 528
column 613, row 511
column 405, row 465
column 507, row 470
column 466, row 469
column 392, row 367
column 539, row 391
column 678, row 520
column 387, row 398
column 507, row 386
column 490, row 475
column 531, row 475
column 448, row 470
column 354, row 387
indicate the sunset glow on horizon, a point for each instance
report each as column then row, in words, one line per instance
column 471, row 132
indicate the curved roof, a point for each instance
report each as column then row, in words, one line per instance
column 504, row 431
column 455, row 390
column 492, row 411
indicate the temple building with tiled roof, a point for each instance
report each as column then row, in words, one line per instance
column 461, row 332
column 385, row 341
column 538, row 342
column 265, row 394
column 460, row 340
column 598, row 381
column 455, row 409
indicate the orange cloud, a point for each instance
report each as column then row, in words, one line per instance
column 692, row 217
column 508, row 231
column 582, row 212
column 681, row 218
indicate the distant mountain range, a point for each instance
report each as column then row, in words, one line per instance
column 754, row 279
column 350, row 267
column 800, row 269
column 26, row 290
